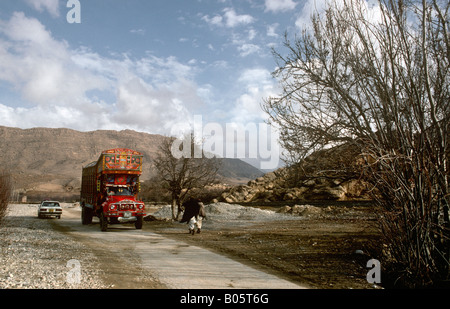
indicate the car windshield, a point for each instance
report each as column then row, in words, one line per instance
column 50, row 204
column 119, row 191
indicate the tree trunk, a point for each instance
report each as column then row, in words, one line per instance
column 174, row 208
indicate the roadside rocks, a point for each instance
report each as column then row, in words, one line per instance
column 272, row 187
column 325, row 175
column 304, row 210
column 301, row 210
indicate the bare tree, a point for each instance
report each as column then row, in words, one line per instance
column 378, row 78
column 182, row 175
column 5, row 193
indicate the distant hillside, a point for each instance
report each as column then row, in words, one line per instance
column 237, row 171
column 46, row 161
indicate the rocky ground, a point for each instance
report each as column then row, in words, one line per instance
column 321, row 246
column 35, row 256
column 272, row 188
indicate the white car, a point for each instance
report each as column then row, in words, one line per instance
column 50, row 209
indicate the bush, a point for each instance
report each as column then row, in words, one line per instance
column 5, row 192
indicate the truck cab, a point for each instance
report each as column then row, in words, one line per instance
column 121, row 206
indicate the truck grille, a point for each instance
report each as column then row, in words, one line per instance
column 127, row 207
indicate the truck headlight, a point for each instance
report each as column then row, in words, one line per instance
column 112, row 207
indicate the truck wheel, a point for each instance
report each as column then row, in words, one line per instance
column 103, row 222
column 83, row 215
column 89, row 214
column 138, row 222
column 86, row 215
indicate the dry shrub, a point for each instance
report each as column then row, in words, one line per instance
column 5, row 193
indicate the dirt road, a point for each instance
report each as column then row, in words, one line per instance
column 243, row 247
column 131, row 258
column 325, row 245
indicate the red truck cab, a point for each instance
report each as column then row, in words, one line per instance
column 109, row 189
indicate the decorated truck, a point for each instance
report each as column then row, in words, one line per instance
column 109, row 188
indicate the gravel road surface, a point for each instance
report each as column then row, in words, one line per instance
column 35, row 256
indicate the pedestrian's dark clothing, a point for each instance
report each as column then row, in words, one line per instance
column 194, row 212
column 192, row 208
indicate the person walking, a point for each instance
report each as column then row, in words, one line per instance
column 194, row 213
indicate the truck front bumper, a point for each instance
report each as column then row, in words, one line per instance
column 124, row 214
column 126, row 220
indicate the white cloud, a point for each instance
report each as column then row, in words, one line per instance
column 372, row 11
column 252, row 34
column 80, row 89
column 52, row 6
column 38, row 66
column 248, row 49
column 22, row 29
column 280, row 5
column 53, row 117
column 60, row 86
column 309, row 8
column 272, row 30
column 216, row 20
column 159, row 110
column 230, row 19
column 239, row 39
column 233, row 19
column 257, row 84
column 138, row 31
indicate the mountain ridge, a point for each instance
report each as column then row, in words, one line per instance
column 50, row 160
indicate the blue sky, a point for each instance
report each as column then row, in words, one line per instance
column 144, row 65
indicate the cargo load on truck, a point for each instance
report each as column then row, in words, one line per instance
column 109, row 189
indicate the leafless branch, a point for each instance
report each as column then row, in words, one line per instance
column 382, row 85
column 182, row 175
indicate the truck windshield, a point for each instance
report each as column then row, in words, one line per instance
column 119, row 191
